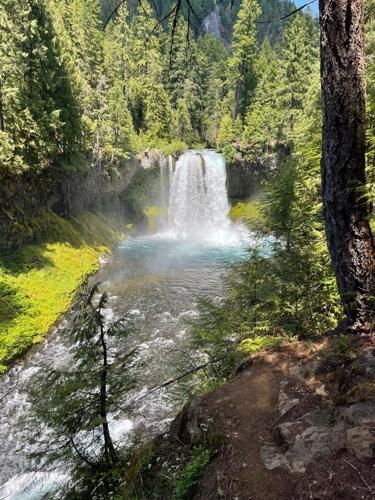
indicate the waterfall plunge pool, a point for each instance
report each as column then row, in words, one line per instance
column 154, row 280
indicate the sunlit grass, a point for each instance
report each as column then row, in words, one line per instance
column 38, row 282
column 247, row 212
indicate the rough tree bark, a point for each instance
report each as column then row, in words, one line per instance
column 2, row 124
column 109, row 449
column 346, row 209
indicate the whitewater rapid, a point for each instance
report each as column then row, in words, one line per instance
column 154, row 280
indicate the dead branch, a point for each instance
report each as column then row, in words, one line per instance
column 368, row 487
column 269, row 21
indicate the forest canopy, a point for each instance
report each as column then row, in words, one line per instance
column 70, row 91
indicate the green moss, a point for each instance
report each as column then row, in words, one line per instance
column 38, row 282
column 248, row 212
column 154, row 216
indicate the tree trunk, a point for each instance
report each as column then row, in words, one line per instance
column 109, row 449
column 2, row 121
column 346, row 209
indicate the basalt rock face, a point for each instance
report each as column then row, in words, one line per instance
column 212, row 24
column 243, row 179
column 99, row 189
column 24, row 199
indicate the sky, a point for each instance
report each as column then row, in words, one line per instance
column 313, row 6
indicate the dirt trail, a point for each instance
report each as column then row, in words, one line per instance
column 244, row 410
column 321, row 415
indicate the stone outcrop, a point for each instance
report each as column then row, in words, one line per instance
column 25, row 197
column 347, row 425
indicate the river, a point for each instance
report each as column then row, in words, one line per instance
column 155, row 281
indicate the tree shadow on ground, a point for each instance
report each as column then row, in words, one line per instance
column 10, row 303
column 25, row 259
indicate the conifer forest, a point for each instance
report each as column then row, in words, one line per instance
column 187, row 253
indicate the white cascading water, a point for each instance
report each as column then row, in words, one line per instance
column 189, row 256
column 198, row 202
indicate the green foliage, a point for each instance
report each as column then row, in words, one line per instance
column 75, row 400
column 71, row 94
column 39, row 113
column 172, row 148
column 38, row 282
column 247, row 212
column 256, row 344
column 190, row 476
column 228, row 134
column 241, row 64
column 283, row 75
column 264, row 117
column 340, row 351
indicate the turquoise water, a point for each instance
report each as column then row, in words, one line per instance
column 155, row 282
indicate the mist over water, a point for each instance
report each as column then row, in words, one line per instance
column 155, row 281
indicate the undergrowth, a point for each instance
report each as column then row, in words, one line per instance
column 247, row 212
column 192, row 473
column 169, row 469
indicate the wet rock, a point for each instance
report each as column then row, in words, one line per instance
column 186, row 428
column 360, row 442
column 243, row 179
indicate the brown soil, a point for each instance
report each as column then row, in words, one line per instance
column 245, row 410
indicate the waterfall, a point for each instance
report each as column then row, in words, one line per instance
column 198, row 203
column 163, row 185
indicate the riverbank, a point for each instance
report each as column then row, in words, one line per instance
column 295, row 422
column 38, row 281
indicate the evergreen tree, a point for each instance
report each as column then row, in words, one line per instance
column 283, row 76
column 149, row 100
column 370, row 74
column 241, row 64
column 118, row 129
column 344, row 190
column 76, row 402
column 264, row 118
column 12, row 65
column 300, row 51
column 37, row 101
column 214, row 86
